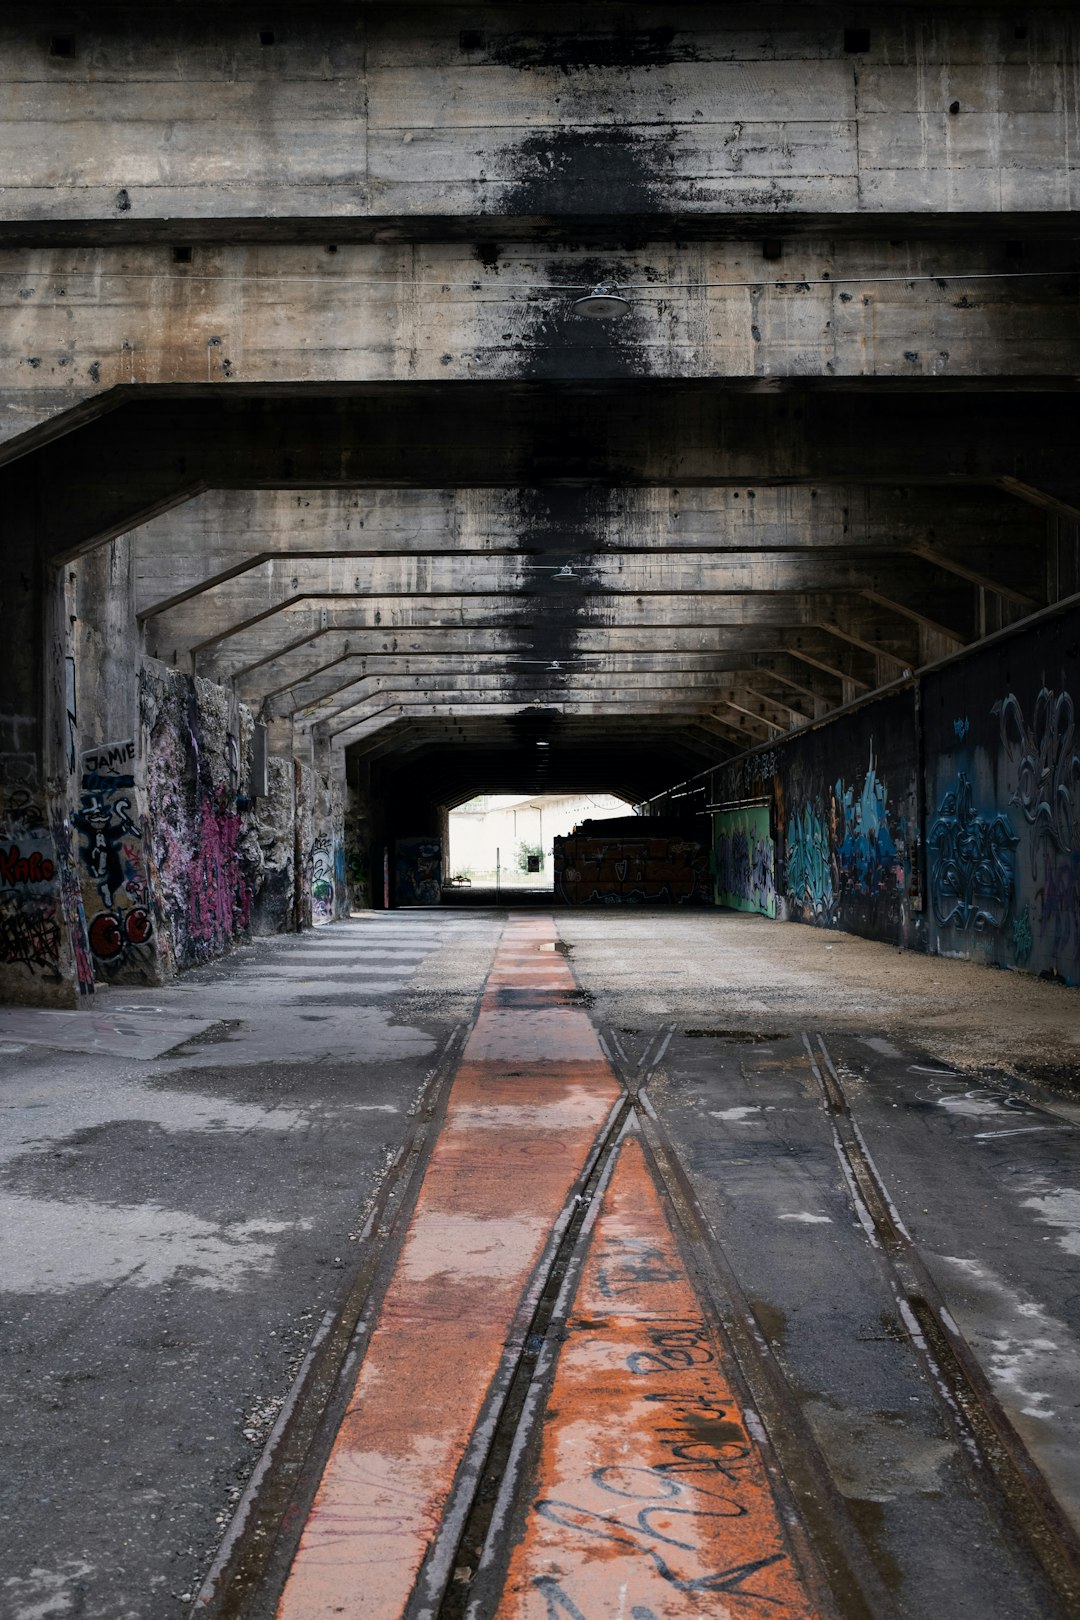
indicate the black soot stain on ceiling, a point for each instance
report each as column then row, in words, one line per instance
column 585, row 171
column 550, row 340
column 579, row 51
column 559, row 527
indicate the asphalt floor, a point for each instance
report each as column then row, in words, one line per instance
column 189, row 1195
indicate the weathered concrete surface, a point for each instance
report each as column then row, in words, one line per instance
column 174, row 1229
column 195, row 1205
column 406, row 111
column 753, row 1136
column 730, row 972
column 80, row 323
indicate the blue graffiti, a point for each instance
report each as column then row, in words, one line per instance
column 1047, row 768
column 962, row 727
column 744, row 868
column 810, row 880
column 971, row 863
column 1022, row 941
column 867, row 855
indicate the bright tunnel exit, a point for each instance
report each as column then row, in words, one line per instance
column 505, row 839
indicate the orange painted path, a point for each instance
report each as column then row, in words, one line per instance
column 529, row 1098
column 650, row 1500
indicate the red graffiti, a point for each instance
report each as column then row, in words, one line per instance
column 110, row 931
column 106, row 939
column 19, row 868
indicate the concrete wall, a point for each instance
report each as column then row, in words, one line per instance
column 944, row 816
column 1003, row 803
column 44, row 949
column 205, row 849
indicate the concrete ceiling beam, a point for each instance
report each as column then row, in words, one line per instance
column 110, row 474
column 221, row 533
column 318, row 659
column 614, row 689
column 406, row 618
column 911, row 585
column 677, row 674
column 380, row 718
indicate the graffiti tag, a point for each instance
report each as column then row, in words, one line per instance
column 33, row 867
column 971, row 863
column 1047, row 764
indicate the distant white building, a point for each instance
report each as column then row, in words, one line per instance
column 499, row 825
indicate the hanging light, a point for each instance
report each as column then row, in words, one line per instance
column 602, row 304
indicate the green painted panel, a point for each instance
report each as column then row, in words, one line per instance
column 745, row 860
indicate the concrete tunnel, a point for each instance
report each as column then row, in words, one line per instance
column 400, row 404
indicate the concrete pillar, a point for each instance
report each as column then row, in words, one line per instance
column 44, row 958
column 117, row 875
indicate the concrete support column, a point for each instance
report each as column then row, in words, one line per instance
column 329, row 894
column 44, row 957
column 364, row 886
column 117, row 873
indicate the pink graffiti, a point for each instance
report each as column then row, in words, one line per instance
column 219, row 903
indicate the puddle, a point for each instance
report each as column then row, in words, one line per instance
column 771, row 1319
column 738, row 1037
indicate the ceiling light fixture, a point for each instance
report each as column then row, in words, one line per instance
column 602, row 304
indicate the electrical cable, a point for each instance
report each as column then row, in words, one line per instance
column 640, row 292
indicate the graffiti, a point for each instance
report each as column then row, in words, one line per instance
column 750, row 775
column 219, row 902
column 961, row 728
column 24, row 813
column 1060, row 910
column 33, row 867
column 418, row 872
column 29, row 934
column 811, row 880
column 202, row 854
column 71, row 905
column 867, row 856
column 745, row 861
column 1047, row 765
column 116, row 889
column 322, row 881
column 1022, row 941
column 971, row 863
column 115, row 761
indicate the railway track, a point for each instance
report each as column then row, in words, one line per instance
column 636, row 1432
